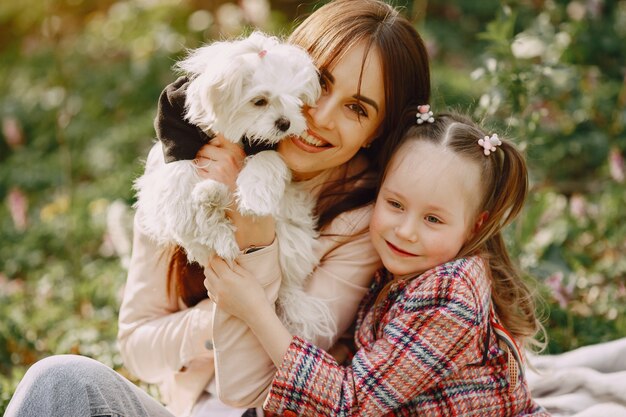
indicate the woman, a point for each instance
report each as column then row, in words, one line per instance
column 372, row 64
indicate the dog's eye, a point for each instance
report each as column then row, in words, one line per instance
column 259, row 101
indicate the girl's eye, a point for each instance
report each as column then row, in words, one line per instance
column 394, row 204
column 358, row 110
column 432, row 219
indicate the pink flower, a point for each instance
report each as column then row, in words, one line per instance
column 9, row 287
column 18, row 207
column 12, row 131
column 595, row 8
column 562, row 293
column 578, row 206
column 616, row 165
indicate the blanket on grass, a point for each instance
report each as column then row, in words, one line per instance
column 586, row 382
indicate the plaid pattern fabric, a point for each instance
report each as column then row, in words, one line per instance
column 433, row 355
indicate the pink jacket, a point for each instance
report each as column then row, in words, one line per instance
column 433, row 353
column 163, row 342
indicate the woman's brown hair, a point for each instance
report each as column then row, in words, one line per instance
column 326, row 35
column 504, row 190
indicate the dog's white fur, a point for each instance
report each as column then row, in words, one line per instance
column 253, row 87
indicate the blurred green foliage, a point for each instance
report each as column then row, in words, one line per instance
column 555, row 74
column 80, row 81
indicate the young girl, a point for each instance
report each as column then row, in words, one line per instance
column 432, row 332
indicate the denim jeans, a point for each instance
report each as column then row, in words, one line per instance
column 76, row 386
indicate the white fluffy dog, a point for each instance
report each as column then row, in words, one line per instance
column 249, row 89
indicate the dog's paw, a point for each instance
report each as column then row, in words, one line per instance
column 197, row 252
column 211, row 195
column 261, row 184
column 215, row 231
column 214, row 236
column 226, row 248
column 252, row 203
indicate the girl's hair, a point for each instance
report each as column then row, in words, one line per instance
column 326, row 35
column 504, row 177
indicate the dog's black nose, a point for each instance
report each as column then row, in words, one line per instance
column 283, row 124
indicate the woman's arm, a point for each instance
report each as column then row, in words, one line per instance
column 250, row 305
column 155, row 336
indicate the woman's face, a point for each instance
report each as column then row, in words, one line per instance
column 344, row 118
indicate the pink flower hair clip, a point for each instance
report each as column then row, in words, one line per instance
column 424, row 114
column 489, row 143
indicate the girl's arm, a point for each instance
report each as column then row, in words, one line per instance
column 244, row 371
column 155, row 336
column 433, row 333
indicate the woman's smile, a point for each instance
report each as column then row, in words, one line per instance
column 311, row 138
column 309, row 142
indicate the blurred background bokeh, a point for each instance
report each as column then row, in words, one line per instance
column 79, row 82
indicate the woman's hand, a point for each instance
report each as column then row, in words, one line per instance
column 221, row 160
column 234, row 289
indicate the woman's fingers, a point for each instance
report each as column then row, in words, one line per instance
column 230, row 155
column 233, row 289
column 222, row 269
column 221, row 142
column 220, row 163
column 209, row 283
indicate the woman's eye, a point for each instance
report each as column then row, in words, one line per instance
column 432, row 219
column 394, row 204
column 358, row 110
column 259, row 101
column 323, row 84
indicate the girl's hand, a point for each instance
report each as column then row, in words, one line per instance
column 221, row 160
column 234, row 289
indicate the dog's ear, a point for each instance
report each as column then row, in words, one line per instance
column 307, row 74
column 199, row 61
column 214, row 77
column 235, row 72
column 227, row 86
column 312, row 89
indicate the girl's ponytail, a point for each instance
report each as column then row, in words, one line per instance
column 505, row 187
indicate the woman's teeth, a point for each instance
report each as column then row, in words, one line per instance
column 311, row 140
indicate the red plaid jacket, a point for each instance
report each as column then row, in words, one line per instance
column 434, row 354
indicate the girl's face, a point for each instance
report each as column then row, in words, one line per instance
column 343, row 120
column 426, row 208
